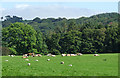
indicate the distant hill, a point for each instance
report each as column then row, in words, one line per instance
column 50, row 24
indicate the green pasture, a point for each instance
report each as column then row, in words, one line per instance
column 85, row 65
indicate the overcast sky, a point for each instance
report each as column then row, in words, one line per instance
column 30, row 10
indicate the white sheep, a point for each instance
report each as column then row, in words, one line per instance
column 80, row 54
column 27, row 59
column 63, row 55
column 70, row 65
column 25, row 55
column 29, row 64
column 96, row 55
column 68, row 54
column 36, row 55
column 49, row 54
column 48, row 59
column 6, row 60
column 36, row 60
column 12, row 55
column 73, row 54
column 53, row 55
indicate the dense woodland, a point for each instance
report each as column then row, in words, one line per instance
column 96, row 34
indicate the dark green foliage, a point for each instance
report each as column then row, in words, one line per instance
column 5, row 51
column 13, row 51
column 20, row 37
column 71, row 42
column 33, row 51
column 37, row 19
column 112, row 38
column 93, row 39
column 40, row 43
column 96, row 34
column 53, row 43
column 10, row 20
column 55, row 51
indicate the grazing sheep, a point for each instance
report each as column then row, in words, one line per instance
column 96, row 55
column 8, row 55
column 73, row 55
column 36, row 60
column 29, row 64
column 25, row 54
column 36, row 55
column 39, row 55
column 70, row 65
column 63, row 55
column 30, row 54
column 80, row 54
column 49, row 54
column 68, row 54
column 33, row 55
column 12, row 55
column 48, row 59
column 53, row 55
column 62, row 62
column 27, row 59
column 6, row 60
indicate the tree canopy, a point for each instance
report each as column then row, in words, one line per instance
column 96, row 34
column 22, row 38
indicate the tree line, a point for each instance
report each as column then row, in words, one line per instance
column 96, row 34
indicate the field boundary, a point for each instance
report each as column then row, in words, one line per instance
column 60, row 77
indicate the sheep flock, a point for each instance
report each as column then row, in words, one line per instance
column 49, row 55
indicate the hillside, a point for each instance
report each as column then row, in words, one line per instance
column 45, row 25
column 96, row 34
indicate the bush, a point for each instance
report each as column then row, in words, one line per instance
column 45, row 53
column 5, row 51
column 33, row 51
column 12, row 51
column 56, row 52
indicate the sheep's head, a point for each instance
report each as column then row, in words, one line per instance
column 29, row 64
column 62, row 62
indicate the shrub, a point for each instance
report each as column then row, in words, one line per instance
column 56, row 52
column 5, row 51
column 12, row 51
column 33, row 51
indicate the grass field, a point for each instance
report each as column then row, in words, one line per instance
column 86, row 65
